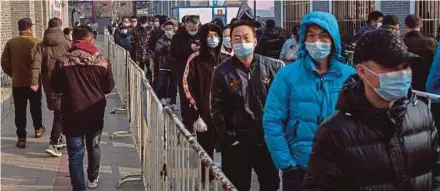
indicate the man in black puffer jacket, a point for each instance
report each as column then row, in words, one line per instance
column 383, row 138
column 271, row 41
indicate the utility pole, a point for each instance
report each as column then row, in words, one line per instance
column 255, row 10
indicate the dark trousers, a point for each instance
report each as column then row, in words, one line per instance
column 207, row 141
column 75, row 150
column 57, row 127
column 188, row 116
column 167, row 86
column 435, row 109
column 292, row 180
column 21, row 95
column 238, row 161
column 145, row 66
column 96, row 34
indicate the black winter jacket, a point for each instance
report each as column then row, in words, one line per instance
column 362, row 148
column 163, row 53
column 425, row 48
column 181, row 50
column 238, row 95
column 271, row 42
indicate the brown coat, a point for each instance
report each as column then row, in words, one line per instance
column 54, row 45
column 17, row 59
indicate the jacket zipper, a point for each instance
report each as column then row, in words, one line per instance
column 295, row 129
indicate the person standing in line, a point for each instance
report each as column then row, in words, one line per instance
column 433, row 86
column 303, row 95
column 184, row 43
column 83, row 77
column 140, row 45
column 197, row 83
column 290, row 47
column 272, row 40
column 54, row 45
column 238, row 93
column 16, row 62
column 95, row 28
column 152, row 42
column 227, row 46
column 167, row 87
column 422, row 46
column 383, row 137
column 391, row 22
column 374, row 21
column 68, row 34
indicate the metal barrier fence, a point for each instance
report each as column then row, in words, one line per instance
column 6, row 94
column 170, row 156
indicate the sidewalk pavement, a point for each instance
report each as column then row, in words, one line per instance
column 31, row 169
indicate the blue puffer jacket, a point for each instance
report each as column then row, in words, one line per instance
column 433, row 82
column 299, row 98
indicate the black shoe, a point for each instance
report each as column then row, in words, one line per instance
column 21, row 143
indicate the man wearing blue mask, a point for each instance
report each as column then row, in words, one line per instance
column 383, row 137
column 238, row 92
column 303, row 94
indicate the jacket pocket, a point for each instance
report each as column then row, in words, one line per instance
column 295, row 129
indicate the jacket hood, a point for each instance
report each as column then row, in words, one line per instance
column 273, row 32
column 326, row 21
column 352, row 100
column 53, row 36
column 203, row 36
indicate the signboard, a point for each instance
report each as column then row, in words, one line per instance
column 84, row 8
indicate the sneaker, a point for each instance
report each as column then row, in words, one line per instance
column 53, row 150
column 61, row 143
column 21, row 143
column 93, row 184
column 40, row 132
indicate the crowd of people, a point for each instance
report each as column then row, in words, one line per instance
column 269, row 101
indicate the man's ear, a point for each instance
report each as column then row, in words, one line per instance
column 255, row 42
column 360, row 69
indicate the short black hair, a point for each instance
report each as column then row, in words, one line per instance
column 257, row 24
column 67, row 30
column 55, row 22
column 390, row 20
column 133, row 17
column 233, row 20
column 184, row 19
column 169, row 22
column 194, row 19
column 373, row 16
column 243, row 23
column 82, row 32
column 143, row 19
column 270, row 23
column 413, row 21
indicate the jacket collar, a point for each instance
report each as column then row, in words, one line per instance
column 413, row 34
column 333, row 69
column 26, row 33
column 240, row 65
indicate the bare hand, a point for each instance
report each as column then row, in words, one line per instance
column 195, row 48
column 35, row 87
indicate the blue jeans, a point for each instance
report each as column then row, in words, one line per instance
column 75, row 150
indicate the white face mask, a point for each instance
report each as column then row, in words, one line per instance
column 156, row 24
column 379, row 25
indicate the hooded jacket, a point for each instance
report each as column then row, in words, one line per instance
column 54, row 45
column 300, row 98
column 83, row 76
column 198, row 73
column 365, row 148
column 271, row 42
column 425, row 48
column 433, row 81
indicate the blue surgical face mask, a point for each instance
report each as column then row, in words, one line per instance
column 213, row 42
column 227, row 42
column 192, row 33
column 243, row 50
column 318, row 50
column 392, row 85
